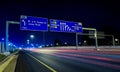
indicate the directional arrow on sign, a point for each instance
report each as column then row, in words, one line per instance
column 24, row 22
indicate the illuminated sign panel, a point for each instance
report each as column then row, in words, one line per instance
column 65, row 26
column 33, row 23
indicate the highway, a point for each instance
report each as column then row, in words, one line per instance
column 46, row 60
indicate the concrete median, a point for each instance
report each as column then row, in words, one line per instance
column 9, row 64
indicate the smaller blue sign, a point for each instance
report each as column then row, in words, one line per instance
column 65, row 26
column 33, row 23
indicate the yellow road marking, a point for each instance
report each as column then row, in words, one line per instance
column 50, row 68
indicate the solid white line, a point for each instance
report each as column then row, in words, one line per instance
column 50, row 68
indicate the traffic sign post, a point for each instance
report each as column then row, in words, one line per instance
column 76, row 41
column 7, row 32
column 33, row 23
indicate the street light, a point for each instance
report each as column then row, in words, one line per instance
column 79, row 43
column 57, row 44
column 85, row 41
column 9, row 44
column 28, row 41
column 51, row 44
column 2, row 39
column 31, row 36
column 65, row 43
column 117, row 40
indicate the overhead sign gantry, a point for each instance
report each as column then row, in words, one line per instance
column 41, row 24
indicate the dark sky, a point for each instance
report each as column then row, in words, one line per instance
column 103, row 15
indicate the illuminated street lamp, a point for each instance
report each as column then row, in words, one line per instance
column 79, row 43
column 9, row 44
column 31, row 36
column 117, row 40
column 2, row 39
column 51, row 44
column 85, row 41
column 65, row 43
column 47, row 45
column 28, row 41
column 57, row 44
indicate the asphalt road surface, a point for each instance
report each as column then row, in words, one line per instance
column 67, row 61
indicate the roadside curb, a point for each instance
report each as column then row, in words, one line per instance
column 12, row 65
column 6, row 62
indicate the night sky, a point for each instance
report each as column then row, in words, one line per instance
column 102, row 15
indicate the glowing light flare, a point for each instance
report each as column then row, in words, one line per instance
column 31, row 36
column 3, row 39
column 116, row 39
column 20, row 48
column 45, row 51
column 9, row 44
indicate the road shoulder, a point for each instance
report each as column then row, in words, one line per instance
column 11, row 66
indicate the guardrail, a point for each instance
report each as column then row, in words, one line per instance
column 8, row 57
column 82, row 47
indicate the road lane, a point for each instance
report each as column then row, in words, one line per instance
column 26, row 63
column 47, row 66
column 61, row 63
column 66, row 62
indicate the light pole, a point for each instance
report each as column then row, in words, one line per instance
column 3, row 39
column 85, row 42
column 32, row 37
column 113, row 40
column 7, row 33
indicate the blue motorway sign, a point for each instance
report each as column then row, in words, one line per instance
column 65, row 26
column 33, row 23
